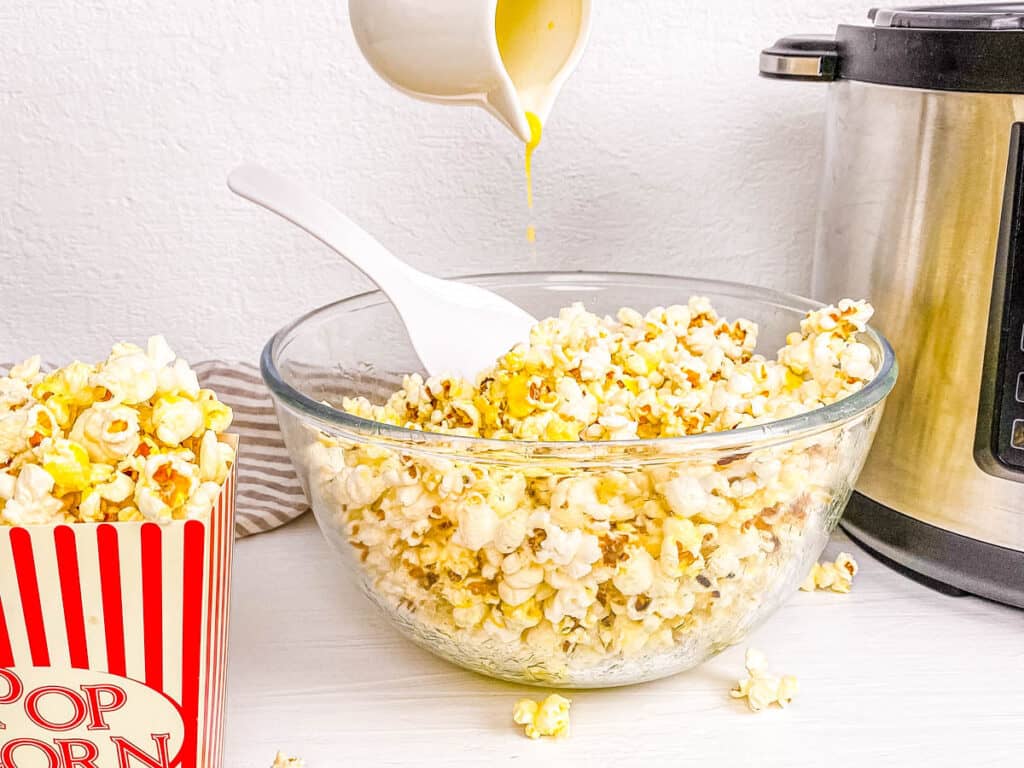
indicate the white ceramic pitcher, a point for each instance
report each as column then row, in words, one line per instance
column 508, row 56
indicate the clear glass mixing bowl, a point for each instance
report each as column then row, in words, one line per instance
column 669, row 590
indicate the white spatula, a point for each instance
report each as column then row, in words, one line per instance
column 454, row 327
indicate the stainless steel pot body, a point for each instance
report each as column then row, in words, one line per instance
column 911, row 204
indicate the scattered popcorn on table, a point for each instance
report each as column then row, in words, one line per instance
column 132, row 438
column 549, row 718
column 761, row 689
column 283, row 761
column 837, row 576
column 565, row 570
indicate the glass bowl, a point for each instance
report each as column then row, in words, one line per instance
column 676, row 580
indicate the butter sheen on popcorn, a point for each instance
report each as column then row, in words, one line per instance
column 563, row 567
column 762, row 689
column 834, row 577
column 131, row 438
column 548, row 718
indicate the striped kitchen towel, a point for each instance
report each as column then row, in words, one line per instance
column 269, row 493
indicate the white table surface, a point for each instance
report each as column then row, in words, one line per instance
column 892, row 674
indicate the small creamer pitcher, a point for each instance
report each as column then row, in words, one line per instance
column 509, row 56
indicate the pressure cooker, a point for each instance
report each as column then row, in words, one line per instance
column 921, row 211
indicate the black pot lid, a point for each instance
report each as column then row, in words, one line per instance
column 977, row 47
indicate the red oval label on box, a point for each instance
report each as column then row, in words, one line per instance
column 78, row 718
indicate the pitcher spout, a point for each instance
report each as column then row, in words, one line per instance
column 504, row 104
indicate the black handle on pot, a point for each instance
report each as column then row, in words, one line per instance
column 999, row 447
column 802, row 57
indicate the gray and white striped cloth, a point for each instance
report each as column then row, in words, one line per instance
column 268, row 490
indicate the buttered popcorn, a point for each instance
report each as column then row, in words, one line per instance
column 281, row 760
column 836, row 576
column 762, row 689
column 132, row 438
column 548, row 718
column 676, row 371
column 559, row 571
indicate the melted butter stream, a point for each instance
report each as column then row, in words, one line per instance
column 535, row 39
column 536, row 129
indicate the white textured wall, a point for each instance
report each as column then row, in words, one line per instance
column 119, row 120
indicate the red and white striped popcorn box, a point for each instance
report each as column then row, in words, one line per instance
column 113, row 642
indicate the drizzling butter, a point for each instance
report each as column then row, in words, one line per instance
column 535, row 40
column 536, row 129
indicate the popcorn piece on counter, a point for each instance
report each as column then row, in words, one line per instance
column 836, row 576
column 283, row 761
column 762, row 689
column 132, row 438
column 549, row 718
column 557, row 565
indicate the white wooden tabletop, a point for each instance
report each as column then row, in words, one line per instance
column 892, row 674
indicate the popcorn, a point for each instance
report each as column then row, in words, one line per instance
column 176, row 419
column 574, row 550
column 23, row 428
column 283, row 761
column 65, row 390
column 30, row 501
column 178, row 379
column 761, row 689
column 166, row 483
column 216, row 415
column 132, row 438
column 109, row 433
column 636, row 573
column 549, row 718
column 553, row 571
column 687, row 496
column 132, row 375
column 478, row 524
column 25, row 371
column 116, row 490
column 836, row 576
column 215, row 459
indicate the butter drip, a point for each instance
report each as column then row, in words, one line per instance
column 535, row 134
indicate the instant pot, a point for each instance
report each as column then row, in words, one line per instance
column 922, row 212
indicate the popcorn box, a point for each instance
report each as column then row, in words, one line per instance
column 113, row 642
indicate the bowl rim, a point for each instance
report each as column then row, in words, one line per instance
column 782, row 430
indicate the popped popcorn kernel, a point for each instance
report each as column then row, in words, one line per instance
column 108, row 432
column 762, row 689
column 835, row 576
column 132, row 438
column 549, row 718
column 283, row 761
column 67, row 463
column 176, row 419
column 29, row 499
